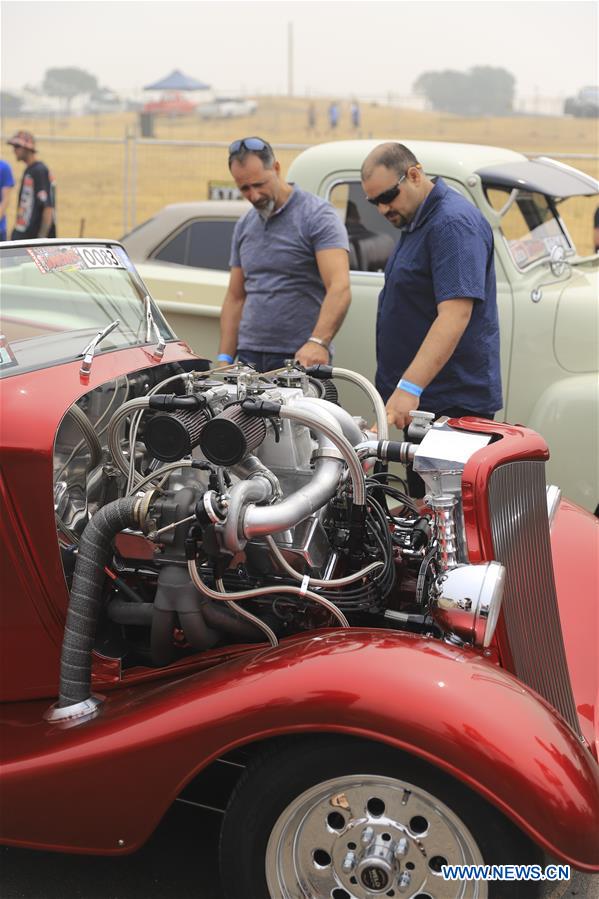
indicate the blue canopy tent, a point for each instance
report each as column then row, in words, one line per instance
column 177, row 81
column 171, row 102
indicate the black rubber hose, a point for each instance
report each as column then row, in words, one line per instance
column 130, row 613
column 95, row 550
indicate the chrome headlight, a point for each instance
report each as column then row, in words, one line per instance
column 469, row 601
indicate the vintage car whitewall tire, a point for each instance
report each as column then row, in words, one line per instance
column 350, row 819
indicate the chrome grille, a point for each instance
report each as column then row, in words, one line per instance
column 520, row 530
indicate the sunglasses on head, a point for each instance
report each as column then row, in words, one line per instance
column 387, row 196
column 254, row 144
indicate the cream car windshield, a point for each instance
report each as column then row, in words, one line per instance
column 55, row 298
column 530, row 225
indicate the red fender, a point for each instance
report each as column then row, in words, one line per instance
column 111, row 779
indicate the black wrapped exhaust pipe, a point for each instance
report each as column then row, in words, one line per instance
column 95, row 550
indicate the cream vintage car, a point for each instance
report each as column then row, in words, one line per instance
column 547, row 292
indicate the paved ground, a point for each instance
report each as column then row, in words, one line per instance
column 179, row 862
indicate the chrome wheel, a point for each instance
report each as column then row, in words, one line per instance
column 366, row 836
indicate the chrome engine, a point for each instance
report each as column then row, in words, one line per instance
column 211, row 508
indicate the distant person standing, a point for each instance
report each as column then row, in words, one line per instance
column 311, row 117
column 334, row 114
column 36, row 207
column 355, row 114
column 596, row 229
column 7, row 182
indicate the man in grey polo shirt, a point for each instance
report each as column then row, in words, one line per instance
column 289, row 285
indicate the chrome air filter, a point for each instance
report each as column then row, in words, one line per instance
column 170, row 436
column 232, row 435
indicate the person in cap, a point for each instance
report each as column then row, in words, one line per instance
column 36, row 205
column 437, row 333
column 288, row 289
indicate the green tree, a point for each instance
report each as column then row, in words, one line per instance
column 10, row 104
column 483, row 90
column 493, row 90
column 68, row 83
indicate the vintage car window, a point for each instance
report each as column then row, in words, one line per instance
column 210, row 244
column 371, row 237
column 175, row 250
column 201, row 244
column 531, row 226
column 55, row 298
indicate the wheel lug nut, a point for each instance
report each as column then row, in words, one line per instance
column 404, row 881
column 349, row 861
column 401, row 848
column 367, row 835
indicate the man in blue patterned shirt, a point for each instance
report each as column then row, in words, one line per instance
column 437, row 325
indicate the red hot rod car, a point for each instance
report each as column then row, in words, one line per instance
column 198, row 563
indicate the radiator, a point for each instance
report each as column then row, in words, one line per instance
column 520, row 531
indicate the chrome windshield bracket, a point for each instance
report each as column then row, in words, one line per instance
column 90, row 349
column 151, row 326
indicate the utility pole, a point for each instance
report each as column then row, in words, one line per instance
column 290, row 59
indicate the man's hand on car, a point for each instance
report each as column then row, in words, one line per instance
column 399, row 405
column 312, row 354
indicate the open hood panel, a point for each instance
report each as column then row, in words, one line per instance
column 541, row 175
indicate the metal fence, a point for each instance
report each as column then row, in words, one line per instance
column 106, row 186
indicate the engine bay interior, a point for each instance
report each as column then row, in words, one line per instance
column 196, row 509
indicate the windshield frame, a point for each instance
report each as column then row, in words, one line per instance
column 82, row 335
column 521, row 195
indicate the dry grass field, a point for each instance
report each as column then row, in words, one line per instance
column 91, row 181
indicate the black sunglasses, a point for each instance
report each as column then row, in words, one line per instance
column 387, row 196
column 254, row 144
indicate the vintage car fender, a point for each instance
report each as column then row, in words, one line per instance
column 567, row 415
column 106, row 783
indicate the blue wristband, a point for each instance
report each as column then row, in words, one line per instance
column 408, row 387
column 224, row 357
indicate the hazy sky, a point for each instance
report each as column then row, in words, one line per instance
column 344, row 48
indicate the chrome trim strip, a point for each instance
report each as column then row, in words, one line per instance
column 520, row 530
column 554, row 498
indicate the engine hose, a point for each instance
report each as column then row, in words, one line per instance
column 317, row 423
column 344, row 374
column 260, row 593
column 230, row 622
column 319, row 582
column 161, row 473
column 95, row 549
column 131, row 406
column 204, row 623
column 130, row 613
column 87, row 429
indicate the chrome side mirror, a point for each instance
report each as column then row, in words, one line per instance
column 557, row 261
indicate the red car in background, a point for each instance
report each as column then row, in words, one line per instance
column 201, row 565
column 171, row 104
